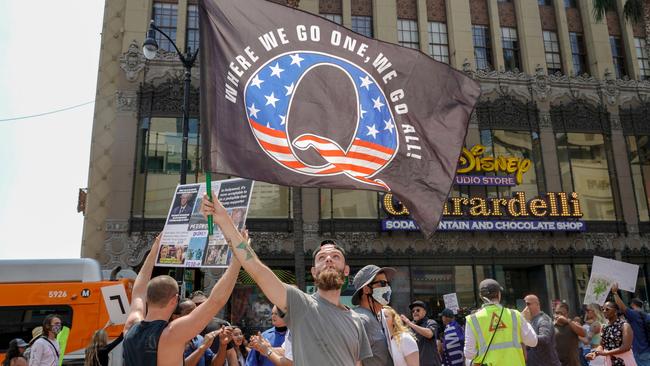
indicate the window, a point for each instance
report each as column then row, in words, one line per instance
column 192, row 34
column 618, row 56
column 407, row 33
column 348, row 204
column 639, row 157
column 642, row 57
column 584, row 169
column 429, row 284
column 270, row 201
column 578, row 53
column 18, row 321
column 165, row 16
column 552, row 49
column 519, row 144
column 510, row 48
column 482, row 47
column 438, row 44
column 545, row 2
column 570, row 3
column 362, row 25
column 159, row 163
column 336, row 18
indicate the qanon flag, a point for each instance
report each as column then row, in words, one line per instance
column 294, row 99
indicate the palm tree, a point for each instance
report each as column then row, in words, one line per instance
column 633, row 9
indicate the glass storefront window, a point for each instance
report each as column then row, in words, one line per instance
column 159, row 162
column 566, row 287
column 638, row 150
column 584, row 169
column 429, row 284
column 348, row 204
column 159, row 149
column 270, row 201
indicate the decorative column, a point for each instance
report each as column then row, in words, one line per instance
column 624, row 187
column 531, row 39
column 563, row 36
column 540, row 89
column 384, row 20
column 459, row 33
column 346, row 9
column 631, row 61
column 599, row 50
column 495, row 34
column 423, row 26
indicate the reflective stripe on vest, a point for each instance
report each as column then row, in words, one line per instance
column 483, row 345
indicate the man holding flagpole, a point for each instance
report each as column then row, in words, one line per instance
column 324, row 331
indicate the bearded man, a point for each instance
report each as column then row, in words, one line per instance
column 324, row 331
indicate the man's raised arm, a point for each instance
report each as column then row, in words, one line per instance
column 139, row 293
column 186, row 327
column 270, row 284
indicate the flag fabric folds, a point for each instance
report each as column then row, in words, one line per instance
column 294, row 99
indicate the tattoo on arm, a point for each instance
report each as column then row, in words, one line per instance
column 246, row 247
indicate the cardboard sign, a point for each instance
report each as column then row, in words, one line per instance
column 451, row 302
column 625, row 274
column 117, row 303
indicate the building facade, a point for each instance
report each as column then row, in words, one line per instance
column 566, row 93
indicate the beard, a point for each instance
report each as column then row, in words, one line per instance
column 329, row 279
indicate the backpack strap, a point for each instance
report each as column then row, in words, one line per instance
column 53, row 347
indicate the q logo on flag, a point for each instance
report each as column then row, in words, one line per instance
column 268, row 96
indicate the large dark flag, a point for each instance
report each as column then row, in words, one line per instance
column 294, row 99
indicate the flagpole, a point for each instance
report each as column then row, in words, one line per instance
column 208, row 188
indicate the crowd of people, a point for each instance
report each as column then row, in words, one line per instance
column 163, row 329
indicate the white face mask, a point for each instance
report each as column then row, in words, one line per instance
column 56, row 329
column 382, row 294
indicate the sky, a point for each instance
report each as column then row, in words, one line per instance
column 49, row 60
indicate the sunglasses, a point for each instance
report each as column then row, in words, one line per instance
column 416, row 310
column 382, row 283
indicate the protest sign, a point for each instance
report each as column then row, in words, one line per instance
column 451, row 302
column 185, row 242
column 625, row 274
column 597, row 290
column 117, row 304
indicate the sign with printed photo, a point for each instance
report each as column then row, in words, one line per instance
column 185, row 241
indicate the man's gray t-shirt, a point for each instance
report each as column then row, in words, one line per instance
column 544, row 354
column 322, row 333
column 378, row 342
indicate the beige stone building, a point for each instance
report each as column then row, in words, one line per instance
column 569, row 93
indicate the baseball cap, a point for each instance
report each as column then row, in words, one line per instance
column 329, row 242
column 419, row 303
column 448, row 313
column 20, row 342
column 365, row 276
column 489, row 287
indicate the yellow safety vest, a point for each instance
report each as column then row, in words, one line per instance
column 506, row 349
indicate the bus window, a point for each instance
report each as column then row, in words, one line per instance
column 18, row 321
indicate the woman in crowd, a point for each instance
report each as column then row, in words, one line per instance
column 240, row 346
column 99, row 348
column 14, row 355
column 616, row 339
column 593, row 315
column 404, row 347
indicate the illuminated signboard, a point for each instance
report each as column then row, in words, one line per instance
column 473, row 161
column 553, row 211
